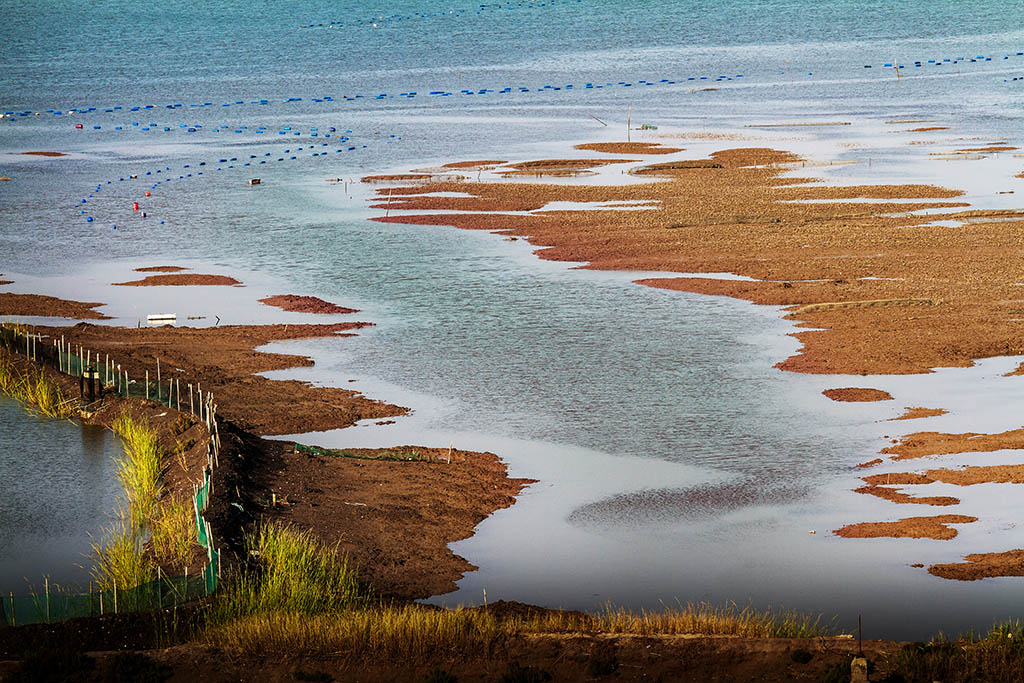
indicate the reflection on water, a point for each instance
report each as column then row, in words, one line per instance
column 60, row 490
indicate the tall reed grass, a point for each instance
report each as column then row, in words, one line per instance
column 173, row 532
column 34, row 390
column 295, row 574
column 119, row 559
column 996, row 656
column 139, row 469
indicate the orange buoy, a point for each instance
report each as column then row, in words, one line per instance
column 135, row 206
column 148, row 194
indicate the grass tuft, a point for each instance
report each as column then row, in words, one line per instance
column 139, row 469
column 120, row 560
column 34, row 390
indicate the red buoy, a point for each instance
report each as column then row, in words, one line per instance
column 148, row 194
column 78, row 126
column 135, row 206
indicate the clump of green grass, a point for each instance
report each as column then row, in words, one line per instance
column 296, row 574
column 34, row 390
column 173, row 532
column 119, row 558
column 139, row 469
column 997, row 656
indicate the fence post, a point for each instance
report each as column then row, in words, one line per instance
column 115, row 596
column 46, row 584
column 159, row 589
column 14, row 620
column 147, row 385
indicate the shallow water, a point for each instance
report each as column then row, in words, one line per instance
column 674, row 462
column 61, row 490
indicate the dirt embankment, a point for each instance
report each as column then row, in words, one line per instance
column 224, row 361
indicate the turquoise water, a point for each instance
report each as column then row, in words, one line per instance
column 654, row 420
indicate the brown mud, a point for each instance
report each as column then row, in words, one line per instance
column 982, row 566
column 180, row 280
column 857, row 394
column 916, row 413
column 160, row 269
column 628, row 148
column 305, row 304
column 909, row 527
column 49, row 307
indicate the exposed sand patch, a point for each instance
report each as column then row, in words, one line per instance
column 909, row 527
column 857, row 395
column 925, row 129
column 179, row 280
column 46, row 154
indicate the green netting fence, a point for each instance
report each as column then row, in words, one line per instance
column 166, row 591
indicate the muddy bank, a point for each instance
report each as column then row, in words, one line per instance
column 735, row 212
column 223, row 359
column 48, row 306
column 917, row 413
column 394, row 517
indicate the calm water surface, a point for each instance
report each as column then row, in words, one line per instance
column 674, row 462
